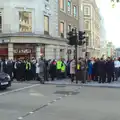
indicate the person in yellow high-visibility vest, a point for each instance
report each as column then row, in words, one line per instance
column 58, row 66
column 63, row 70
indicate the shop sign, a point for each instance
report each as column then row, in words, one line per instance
column 22, row 51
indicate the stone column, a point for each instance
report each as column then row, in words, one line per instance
column 38, row 52
column 10, row 51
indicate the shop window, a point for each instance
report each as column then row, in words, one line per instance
column 69, row 28
column 55, row 53
column 25, row 21
column 46, row 24
column 61, row 53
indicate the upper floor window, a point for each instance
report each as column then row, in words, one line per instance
column 62, row 29
column 46, row 24
column 87, row 25
column 61, row 3
column 69, row 6
column 25, row 21
column 86, row 10
column 0, row 21
column 75, row 11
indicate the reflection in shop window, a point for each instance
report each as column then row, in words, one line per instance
column 25, row 21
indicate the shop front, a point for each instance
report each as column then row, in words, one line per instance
column 24, row 51
column 3, row 51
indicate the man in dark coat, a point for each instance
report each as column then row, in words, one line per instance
column 102, row 71
column 9, row 68
column 109, row 69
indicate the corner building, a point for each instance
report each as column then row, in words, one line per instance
column 29, row 28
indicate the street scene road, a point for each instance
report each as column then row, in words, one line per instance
column 59, row 102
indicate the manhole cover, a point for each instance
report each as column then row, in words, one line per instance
column 66, row 92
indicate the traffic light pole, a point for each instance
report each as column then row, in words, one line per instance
column 76, row 60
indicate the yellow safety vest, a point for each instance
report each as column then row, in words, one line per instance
column 63, row 68
column 28, row 65
column 78, row 66
column 59, row 63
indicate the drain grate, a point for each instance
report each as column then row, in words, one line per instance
column 66, row 92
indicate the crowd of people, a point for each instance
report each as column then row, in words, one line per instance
column 101, row 70
column 104, row 70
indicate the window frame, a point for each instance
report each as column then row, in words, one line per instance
column 62, row 33
column 87, row 28
column 46, row 32
column 75, row 15
column 87, row 7
column 63, row 5
column 1, row 26
column 69, row 12
column 20, row 23
column 69, row 26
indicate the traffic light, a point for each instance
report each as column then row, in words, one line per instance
column 87, row 41
column 81, row 35
column 80, row 42
column 72, row 37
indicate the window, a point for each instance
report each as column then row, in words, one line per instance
column 61, row 53
column 46, row 24
column 62, row 29
column 86, row 10
column 25, row 21
column 55, row 53
column 61, row 3
column 75, row 11
column 69, row 28
column 69, row 6
column 87, row 25
column 0, row 22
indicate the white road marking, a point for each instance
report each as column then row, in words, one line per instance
column 20, row 118
column 54, row 100
column 37, row 94
column 31, row 112
column 49, row 103
column 19, row 89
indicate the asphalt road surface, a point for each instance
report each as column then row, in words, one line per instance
column 56, row 102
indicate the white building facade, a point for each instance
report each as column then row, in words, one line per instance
column 103, row 41
column 30, row 28
column 92, row 27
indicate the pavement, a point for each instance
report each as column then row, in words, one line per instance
column 115, row 84
column 26, row 101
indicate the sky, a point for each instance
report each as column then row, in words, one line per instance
column 111, row 20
